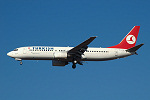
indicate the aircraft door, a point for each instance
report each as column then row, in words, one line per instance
column 116, row 53
column 24, row 50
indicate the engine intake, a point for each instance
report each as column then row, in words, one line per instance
column 59, row 55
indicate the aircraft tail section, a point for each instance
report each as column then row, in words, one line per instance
column 130, row 39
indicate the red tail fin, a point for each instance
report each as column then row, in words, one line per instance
column 130, row 39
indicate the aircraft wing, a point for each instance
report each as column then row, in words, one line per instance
column 81, row 48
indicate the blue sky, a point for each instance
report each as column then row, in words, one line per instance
column 68, row 23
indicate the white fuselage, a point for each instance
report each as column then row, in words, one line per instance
column 61, row 56
column 60, row 53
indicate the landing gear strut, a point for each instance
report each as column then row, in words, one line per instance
column 21, row 62
column 74, row 64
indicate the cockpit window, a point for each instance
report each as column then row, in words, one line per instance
column 16, row 50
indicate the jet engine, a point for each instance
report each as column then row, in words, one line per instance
column 59, row 63
column 60, row 55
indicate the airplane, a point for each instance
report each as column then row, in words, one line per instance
column 62, row 56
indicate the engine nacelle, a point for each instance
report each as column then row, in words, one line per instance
column 59, row 55
column 59, row 63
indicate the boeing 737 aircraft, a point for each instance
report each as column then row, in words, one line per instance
column 61, row 56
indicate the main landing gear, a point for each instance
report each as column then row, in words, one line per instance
column 74, row 64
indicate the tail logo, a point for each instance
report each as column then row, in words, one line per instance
column 130, row 39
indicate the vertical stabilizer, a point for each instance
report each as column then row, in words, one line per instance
column 130, row 39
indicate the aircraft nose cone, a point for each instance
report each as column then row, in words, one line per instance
column 9, row 54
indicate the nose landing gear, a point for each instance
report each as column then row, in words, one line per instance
column 18, row 59
column 21, row 62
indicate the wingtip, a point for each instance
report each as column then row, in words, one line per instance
column 137, row 26
column 94, row 36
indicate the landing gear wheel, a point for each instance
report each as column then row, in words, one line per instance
column 74, row 66
column 20, row 62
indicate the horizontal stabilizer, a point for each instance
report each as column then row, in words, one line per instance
column 134, row 49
